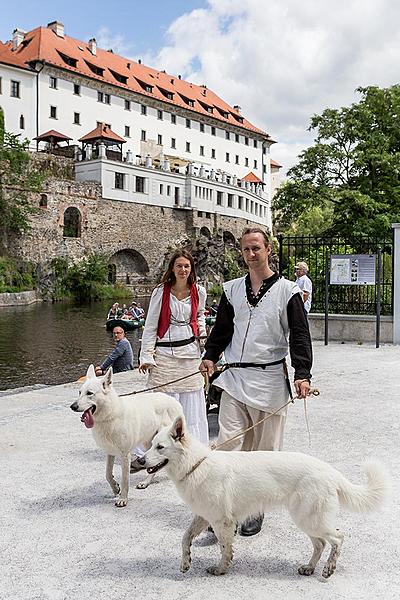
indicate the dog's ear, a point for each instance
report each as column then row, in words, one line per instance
column 90, row 373
column 108, row 377
column 178, row 428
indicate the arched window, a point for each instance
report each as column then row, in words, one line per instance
column 72, row 222
column 43, row 201
column 112, row 273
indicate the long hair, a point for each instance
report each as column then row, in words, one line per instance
column 169, row 275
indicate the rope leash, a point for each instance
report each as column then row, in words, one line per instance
column 313, row 392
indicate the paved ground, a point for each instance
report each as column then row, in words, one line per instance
column 62, row 538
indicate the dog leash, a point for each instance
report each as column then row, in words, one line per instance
column 312, row 392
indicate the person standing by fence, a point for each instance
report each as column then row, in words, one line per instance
column 304, row 283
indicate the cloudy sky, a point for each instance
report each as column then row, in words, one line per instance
column 280, row 60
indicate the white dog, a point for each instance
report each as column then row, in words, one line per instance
column 120, row 424
column 224, row 488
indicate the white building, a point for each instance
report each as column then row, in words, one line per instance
column 182, row 144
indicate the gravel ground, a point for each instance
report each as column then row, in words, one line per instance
column 63, row 539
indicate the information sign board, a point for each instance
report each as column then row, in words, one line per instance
column 353, row 269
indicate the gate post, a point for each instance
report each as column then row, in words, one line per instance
column 396, row 284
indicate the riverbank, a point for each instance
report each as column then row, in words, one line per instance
column 19, row 298
column 63, row 539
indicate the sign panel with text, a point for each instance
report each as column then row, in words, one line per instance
column 353, row 269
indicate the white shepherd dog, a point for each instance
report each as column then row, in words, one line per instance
column 224, row 488
column 120, row 424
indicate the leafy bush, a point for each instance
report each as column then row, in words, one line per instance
column 16, row 277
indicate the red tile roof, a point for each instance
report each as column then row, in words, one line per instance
column 43, row 44
column 274, row 163
column 52, row 135
column 252, row 178
column 102, row 132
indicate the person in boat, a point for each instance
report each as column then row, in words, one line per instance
column 133, row 309
column 121, row 358
column 140, row 310
column 171, row 340
column 213, row 309
column 113, row 312
column 259, row 317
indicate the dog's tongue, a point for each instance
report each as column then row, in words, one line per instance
column 87, row 418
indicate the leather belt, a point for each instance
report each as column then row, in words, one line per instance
column 176, row 343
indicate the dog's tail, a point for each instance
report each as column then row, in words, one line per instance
column 369, row 496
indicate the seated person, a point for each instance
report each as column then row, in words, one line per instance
column 113, row 312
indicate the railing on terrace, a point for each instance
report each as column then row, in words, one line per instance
column 343, row 299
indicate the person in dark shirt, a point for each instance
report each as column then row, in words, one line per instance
column 121, row 358
column 260, row 317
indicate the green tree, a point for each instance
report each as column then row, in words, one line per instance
column 17, row 181
column 348, row 182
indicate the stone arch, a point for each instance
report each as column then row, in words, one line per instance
column 127, row 266
column 43, row 201
column 206, row 232
column 72, row 222
column 229, row 238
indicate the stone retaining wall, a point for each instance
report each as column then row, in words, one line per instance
column 18, row 298
column 351, row 328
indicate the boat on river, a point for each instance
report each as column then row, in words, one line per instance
column 126, row 324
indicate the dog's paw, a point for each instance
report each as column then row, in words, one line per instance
column 121, row 502
column 305, row 570
column 216, row 570
column 328, row 570
column 142, row 485
column 185, row 565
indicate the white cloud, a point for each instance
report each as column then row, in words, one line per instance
column 285, row 60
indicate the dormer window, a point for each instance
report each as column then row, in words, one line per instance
column 95, row 69
column 207, row 107
column 119, row 77
column 187, row 101
column 71, row 62
column 169, row 95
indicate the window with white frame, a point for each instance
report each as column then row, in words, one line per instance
column 22, row 122
column 53, row 112
column 173, row 143
column 230, row 200
column 219, row 198
column 173, row 119
column 213, row 131
column 159, row 139
column 202, row 128
column 246, row 162
column 187, row 146
column 227, row 135
column 213, row 153
column 103, row 97
column 255, row 164
column 143, row 109
column 77, row 118
column 53, row 82
column 139, row 184
column 119, row 181
column 201, row 150
column 77, row 89
column 127, row 131
column 127, row 104
column 15, row 89
column 237, row 137
column 143, row 135
column 236, row 159
column 227, row 158
column 159, row 115
column 246, row 141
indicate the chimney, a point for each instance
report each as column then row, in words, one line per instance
column 18, row 36
column 238, row 109
column 139, row 61
column 93, row 46
column 57, row 27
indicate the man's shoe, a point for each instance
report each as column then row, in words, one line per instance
column 252, row 526
column 136, row 466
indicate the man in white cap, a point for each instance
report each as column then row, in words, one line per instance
column 304, row 283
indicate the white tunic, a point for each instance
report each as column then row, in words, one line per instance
column 172, row 363
column 261, row 335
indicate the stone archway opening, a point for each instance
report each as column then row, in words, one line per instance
column 72, row 222
column 229, row 238
column 205, row 232
column 127, row 267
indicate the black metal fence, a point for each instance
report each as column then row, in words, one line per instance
column 343, row 299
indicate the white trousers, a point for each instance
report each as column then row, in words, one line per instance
column 235, row 416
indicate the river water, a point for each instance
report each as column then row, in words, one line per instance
column 49, row 344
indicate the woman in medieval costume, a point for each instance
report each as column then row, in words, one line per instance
column 171, row 348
